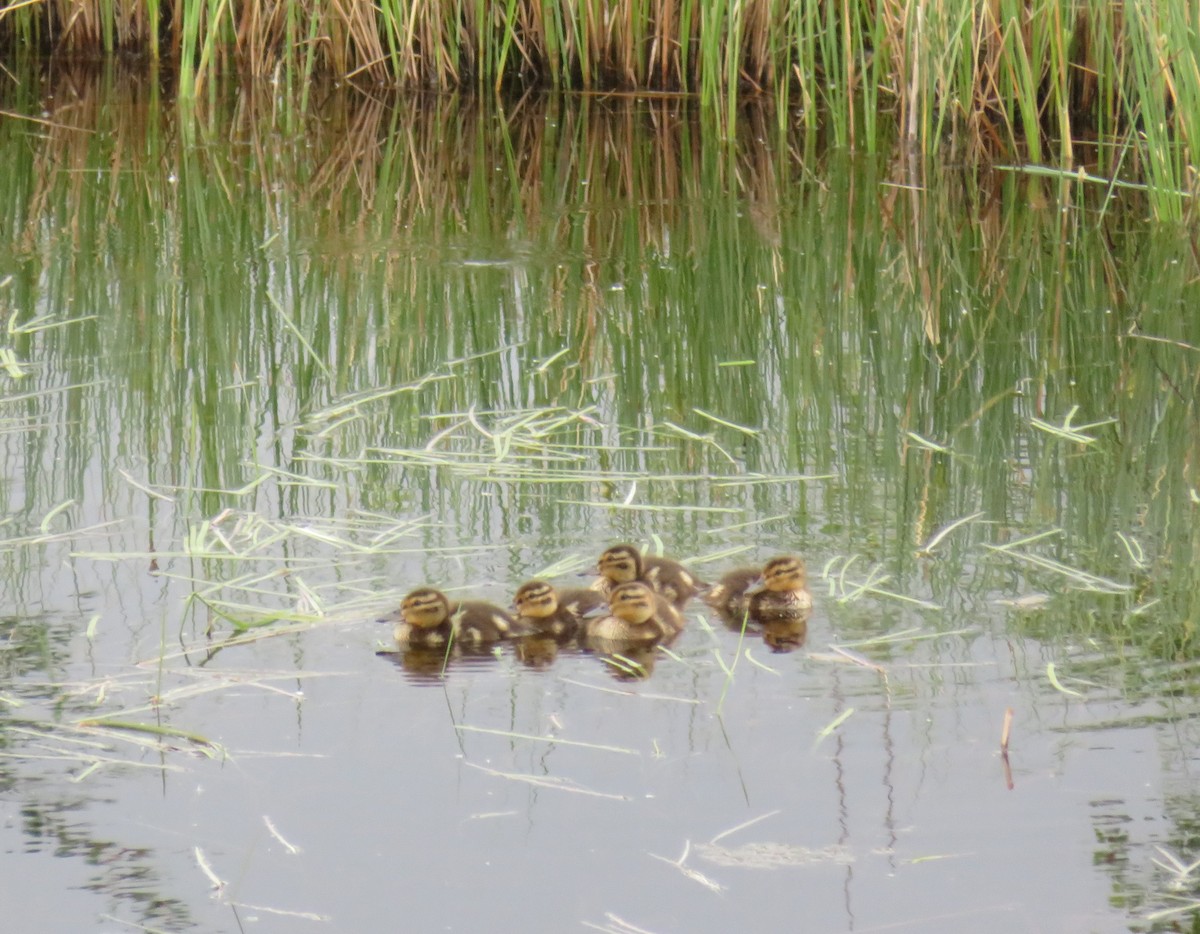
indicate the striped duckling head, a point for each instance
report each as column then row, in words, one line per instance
column 425, row 608
column 785, row 574
column 633, row 602
column 621, row 564
column 536, row 600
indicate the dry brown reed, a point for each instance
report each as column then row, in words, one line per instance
column 1000, row 71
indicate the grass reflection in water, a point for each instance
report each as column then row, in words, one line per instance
column 241, row 421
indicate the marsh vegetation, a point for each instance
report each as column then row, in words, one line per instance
column 1019, row 80
column 253, row 392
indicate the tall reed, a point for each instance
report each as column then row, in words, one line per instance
column 992, row 75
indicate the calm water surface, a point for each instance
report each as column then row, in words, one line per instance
column 253, row 392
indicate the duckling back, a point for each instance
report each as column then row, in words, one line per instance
column 672, row 580
column 730, row 594
column 771, row 606
column 477, row 622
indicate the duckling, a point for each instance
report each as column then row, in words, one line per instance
column 729, row 595
column 623, row 563
column 637, row 615
column 778, row 592
column 544, row 610
column 429, row 619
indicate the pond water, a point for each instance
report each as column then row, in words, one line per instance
column 266, row 371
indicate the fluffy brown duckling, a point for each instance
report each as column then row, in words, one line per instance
column 636, row 615
column 778, row 592
column 429, row 619
column 624, row 563
column 545, row 610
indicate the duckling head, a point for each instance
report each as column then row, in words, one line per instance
column 633, row 603
column 425, row 608
column 785, row 574
column 621, row 563
column 536, row 600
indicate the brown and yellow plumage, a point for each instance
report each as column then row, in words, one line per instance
column 623, row 563
column 778, row 592
column 544, row 609
column 428, row 619
column 636, row 614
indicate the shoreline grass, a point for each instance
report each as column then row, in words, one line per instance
column 1042, row 77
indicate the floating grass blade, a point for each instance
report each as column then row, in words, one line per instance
column 832, row 726
column 556, row 740
column 604, row 689
column 1081, row 579
column 218, row 884
column 1052, row 677
column 153, row 729
column 546, row 781
column 742, row 826
column 274, row 831
column 710, row 884
column 729, row 669
column 752, row 432
column 937, row 537
column 927, row 444
column 757, row 664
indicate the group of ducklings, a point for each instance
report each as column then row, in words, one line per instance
column 636, row 601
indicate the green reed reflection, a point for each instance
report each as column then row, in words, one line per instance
column 261, row 376
column 238, row 326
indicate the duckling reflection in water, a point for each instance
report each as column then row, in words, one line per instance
column 545, row 610
column 422, row 664
column 429, row 666
column 536, row 651
column 778, row 592
column 785, row 635
column 624, row 563
column 637, row 616
column 428, row 619
column 633, row 662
